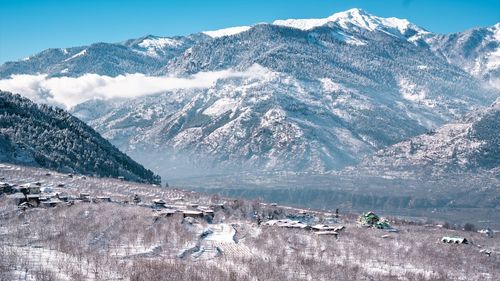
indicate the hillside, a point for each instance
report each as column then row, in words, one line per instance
column 470, row 144
column 108, row 237
column 319, row 99
column 146, row 55
column 50, row 137
column 476, row 50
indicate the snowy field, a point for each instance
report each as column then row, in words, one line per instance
column 120, row 240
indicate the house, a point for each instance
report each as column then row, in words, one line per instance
column 29, row 188
column 46, row 189
column 323, row 227
column 33, row 199
column 217, row 207
column 18, row 198
column 487, row 231
column 192, row 214
column 103, row 199
column 62, row 197
column 85, row 197
column 454, row 240
column 51, row 203
column 368, row 219
column 336, row 234
column 6, row 187
column 167, row 213
column 45, row 198
column 158, row 204
column 208, row 213
column 287, row 223
column 25, row 205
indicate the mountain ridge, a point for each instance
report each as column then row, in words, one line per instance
column 323, row 98
column 40, row 135
column 157, row 50
column 468, row 144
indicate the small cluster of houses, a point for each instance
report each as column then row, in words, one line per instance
column 185, row 209
column 36, row 194
column 33, row 195
column 319, row 229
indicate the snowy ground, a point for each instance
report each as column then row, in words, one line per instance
column 118, row 241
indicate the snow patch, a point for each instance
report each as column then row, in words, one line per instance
column 221, row 233
column 329, row 86
column 410, row 92
column 221, row 106
column 82, row 53
column 349, row 39
column 154, row 45
column 227, row 31
column 188, row 136
column 273, row 116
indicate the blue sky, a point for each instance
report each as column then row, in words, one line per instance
column 27, row 27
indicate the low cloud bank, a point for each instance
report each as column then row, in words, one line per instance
column 70, row 91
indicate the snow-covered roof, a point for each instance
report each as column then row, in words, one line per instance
column 190, row 212
column 323, row 227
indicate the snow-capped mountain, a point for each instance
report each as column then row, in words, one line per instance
column 146, row 55
column 42, row 136
column 355, row 18
column 310, row 95
column 477, row 51
column 358, row 19
column 471, row 143
column 319, row 103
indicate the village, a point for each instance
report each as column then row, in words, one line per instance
column 37, row 194
column 210, row 229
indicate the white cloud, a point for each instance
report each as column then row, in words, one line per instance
column 70, row 91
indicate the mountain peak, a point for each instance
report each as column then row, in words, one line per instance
column 347, row 19
column 357, row 18
column 354, row 12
